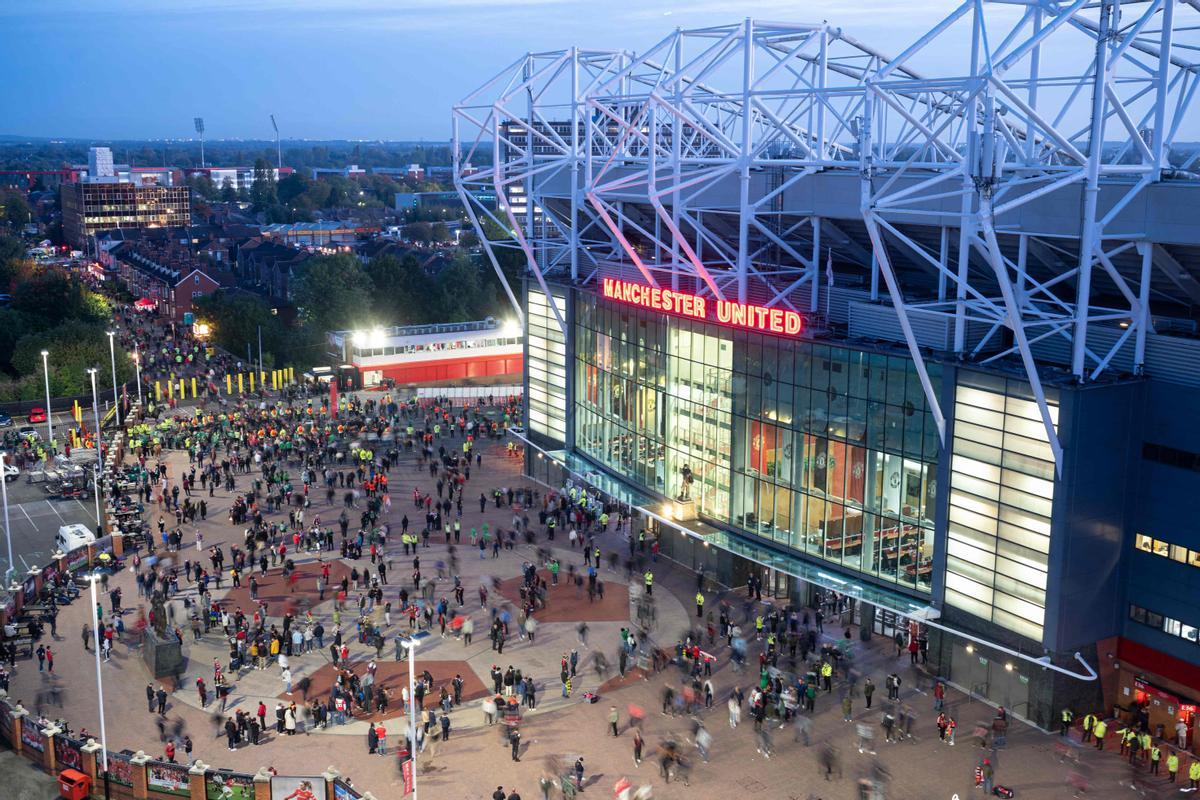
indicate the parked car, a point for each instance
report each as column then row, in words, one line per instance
column 37, row 414
column 29, row 432
column 5, row 420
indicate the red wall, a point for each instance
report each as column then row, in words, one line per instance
column 449, row 369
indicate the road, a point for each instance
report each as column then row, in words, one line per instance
column 34, row 520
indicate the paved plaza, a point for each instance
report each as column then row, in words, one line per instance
column 476, row 759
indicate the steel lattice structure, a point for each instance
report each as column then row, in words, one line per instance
column 708, row 163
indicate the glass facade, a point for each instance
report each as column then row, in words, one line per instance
column 653, row 396
column 546, row 366
column 1001, row 498
column 825, row 450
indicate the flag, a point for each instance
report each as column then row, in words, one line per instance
column 829, row 267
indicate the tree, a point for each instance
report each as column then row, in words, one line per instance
column 16, row 210
column 404, row 293
column 228, row 190
column 14, row 325
column 262, row 190
column 333, row 293
column 440, row 232
column 203, row 185
column 464, row 296
column 75, row 346
column 292, row 187
column 420, row 232
column 53, row 297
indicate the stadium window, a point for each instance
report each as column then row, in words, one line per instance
column 1143, row 542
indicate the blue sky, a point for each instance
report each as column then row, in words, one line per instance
column 370, row 69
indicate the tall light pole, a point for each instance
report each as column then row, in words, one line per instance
column 96, row 415
column 99, row 680
column 7, row 530
column 49, row 414
column 410, row 645
column 199, row 122
column 137, row 365
column 112, row 354
column 278, row 146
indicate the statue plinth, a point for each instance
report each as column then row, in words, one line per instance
column 163, row 655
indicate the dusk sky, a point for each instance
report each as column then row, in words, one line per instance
column 369, row 69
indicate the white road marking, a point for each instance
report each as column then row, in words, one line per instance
column 55, row 510
column 26, row 513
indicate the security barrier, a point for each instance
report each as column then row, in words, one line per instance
column 189, row 389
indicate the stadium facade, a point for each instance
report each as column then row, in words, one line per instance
column 918, row 327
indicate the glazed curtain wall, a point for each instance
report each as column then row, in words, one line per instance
column 836, row 455
column 826, row 450
column 653, row 395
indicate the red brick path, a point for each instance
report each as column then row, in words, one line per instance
column 393, row 676
column 563, row 604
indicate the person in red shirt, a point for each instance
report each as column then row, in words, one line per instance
column 169, row 752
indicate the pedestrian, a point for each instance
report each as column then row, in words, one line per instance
column 638, row 743
column 613, row 718
column 868, row 692
column 514, row 739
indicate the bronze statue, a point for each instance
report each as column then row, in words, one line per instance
column 158, row 611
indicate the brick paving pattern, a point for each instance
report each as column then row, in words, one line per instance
column 476, row 760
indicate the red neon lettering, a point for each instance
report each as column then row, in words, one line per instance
column 792, row 323
column 743, row 315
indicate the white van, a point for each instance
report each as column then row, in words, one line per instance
column 73, row 536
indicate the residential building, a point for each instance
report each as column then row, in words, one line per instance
column 170, row 275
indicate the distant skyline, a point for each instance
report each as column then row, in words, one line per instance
column 330, row 69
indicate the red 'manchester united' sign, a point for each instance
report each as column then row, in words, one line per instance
column 685, row 304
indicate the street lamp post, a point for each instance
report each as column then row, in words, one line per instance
column 96, row 415
column 410, row 645
column 112, row 354
column 7, row 530
column 49, row 414
column 137, row 365
column 99, row 680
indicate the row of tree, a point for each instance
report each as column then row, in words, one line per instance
column 339, row 292
column 54, row 154
column 50, row 311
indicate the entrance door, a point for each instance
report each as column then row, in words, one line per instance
column 886, row 623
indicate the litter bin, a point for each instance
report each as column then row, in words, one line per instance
column 74, row 785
